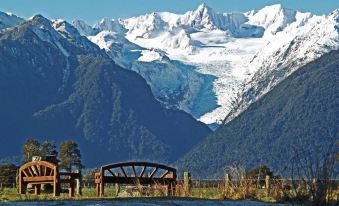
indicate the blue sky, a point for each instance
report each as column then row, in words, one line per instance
column 93, row 10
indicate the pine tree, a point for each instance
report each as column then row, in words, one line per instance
column 31, row 148
column 48, row 148
column 8, row 174
column 69, row 156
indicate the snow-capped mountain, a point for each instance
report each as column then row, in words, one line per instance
column 57, row 84
column 274, row 18
column 303, row 41
column 71, row 33
column 84, row 28
column 210, row 64
column 58, row 35
column 8, row 20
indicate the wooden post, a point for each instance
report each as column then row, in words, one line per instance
column 102, row 189
column 187, row 183
column 97, row 189
column 171, row 189
column 227, row 180
column 56, row 183
column 117, row 189
column 78, row 186
column 21, row 184
column 55, row 188
column 267, row 184
column 97, row 183
column 117, row 186
column 227, row 183
column 102, row 184
column 37, row 189
column 71, row 188
column 78, row 182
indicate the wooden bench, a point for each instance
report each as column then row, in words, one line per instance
column 143, row 173
column 37, row 173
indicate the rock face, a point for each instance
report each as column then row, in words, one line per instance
column 8, row 20
column 213, row 65
column 299, row 114
column 55, row 84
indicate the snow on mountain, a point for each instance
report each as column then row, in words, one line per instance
column 55, row 33
column 150, row 56
column 69, row 32
column 289, row 50
column 205, row 18
column 206, row 63
column 209, row 64
column 84, row 29
column 43, row 28
column 8, row 20
column 110, row 25
column 273, row 18
column 147, row 26
column 117, row 47
column 173, row 83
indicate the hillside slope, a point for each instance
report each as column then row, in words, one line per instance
column 55, row 84
column 300, row 112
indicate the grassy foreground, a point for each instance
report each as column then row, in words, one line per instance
column 11, row 194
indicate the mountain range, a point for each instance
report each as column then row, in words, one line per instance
column 55, row 84
column 146, row 87
column 213, row 65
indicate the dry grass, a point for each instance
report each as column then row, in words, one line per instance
column 280, row 191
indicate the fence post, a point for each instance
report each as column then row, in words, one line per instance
column 267, row 184
column 187, row 183
column 78, row 186
column 227, row 183
column 117, row 187
column 227, row 180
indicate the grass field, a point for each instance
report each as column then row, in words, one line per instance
column 11, row 194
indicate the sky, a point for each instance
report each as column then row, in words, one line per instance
column 92, row 11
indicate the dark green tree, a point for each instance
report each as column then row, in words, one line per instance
column 48, row 148
column 8, row 174
column 69, row 156
column 260, row 171
column 31, row 148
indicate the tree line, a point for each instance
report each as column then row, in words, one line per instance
column 68, row 158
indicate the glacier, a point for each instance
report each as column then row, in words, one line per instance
column 213, row 65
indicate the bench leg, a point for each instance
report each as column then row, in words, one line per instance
column 37, row 189
column 56, row 189
column 71, row 189
column 102, row 189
